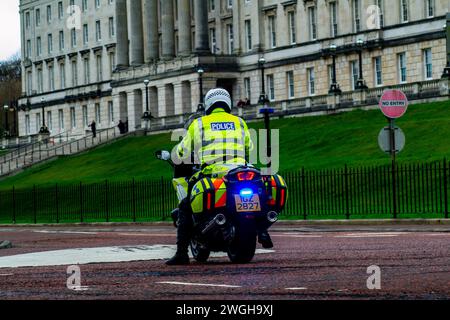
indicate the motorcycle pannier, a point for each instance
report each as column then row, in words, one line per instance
column 279, row 193
column 208, row 194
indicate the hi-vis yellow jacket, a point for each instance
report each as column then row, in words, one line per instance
column 216, row 139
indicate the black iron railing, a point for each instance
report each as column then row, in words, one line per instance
column 422, row 191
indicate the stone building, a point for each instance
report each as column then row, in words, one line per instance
column 161, row 44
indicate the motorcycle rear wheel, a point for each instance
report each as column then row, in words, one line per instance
column 200, row 253
column 242, row 249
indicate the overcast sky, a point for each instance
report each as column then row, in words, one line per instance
column 9, row 28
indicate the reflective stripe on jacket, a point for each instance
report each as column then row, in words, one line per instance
column 217, row 138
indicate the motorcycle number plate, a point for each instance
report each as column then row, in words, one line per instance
column 246, row 204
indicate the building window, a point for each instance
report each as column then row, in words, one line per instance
column 51, row 79
column 73, row 119
column 112, row 30
column 112, row 62
column 97, row 4
column 247, row 88
column 50, row 43
column 212, row 33
column 311, row 81
column 99, row 68
column 230, row 4
column 62, row 75
column 98, row 31
column 49, row 14
column 333, row 19
column 430, row 8
column 85, row 116
column 38, row 17
column 60, row 10
column 61, row 40
column 378, row 71
column 248, row 33
column 74, row 73
column 212, row 5
column 49, row 121
column 292, row 27
column 312, row 23
column 29, row 83
column 272, row 31
column 428, row 61
column 404, row 11
column 38, row 46
column 230, row 35
column 354, row 71
column 27, row 125
column 27, row 20
column 356, row 16
column 38, row 122
column 290, row 84
column 85, row 34
column 98, row 118
column 40, row 81
column 84, row 5
column 61, row 119
column 111, row 112
column 73, row 34
column 87, row 71
column 402, row 67
column 28, row 49
column 271, row 87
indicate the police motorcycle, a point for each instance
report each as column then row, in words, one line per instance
column 229, row 207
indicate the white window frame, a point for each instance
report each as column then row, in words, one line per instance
column 402, row 66
column 290, row 84
column 311, row 81
column 378, row 71
column 428, row 64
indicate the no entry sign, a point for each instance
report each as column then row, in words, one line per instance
column 393, row 104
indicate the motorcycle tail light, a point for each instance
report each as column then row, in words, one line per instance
column 246, row 176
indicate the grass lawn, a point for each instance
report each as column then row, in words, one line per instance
column 311, row 142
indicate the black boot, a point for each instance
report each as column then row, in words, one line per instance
column 265, row 240
column 183, row 237
column 179, row 259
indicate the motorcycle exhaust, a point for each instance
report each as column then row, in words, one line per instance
column 218, row 221
column 272, row 216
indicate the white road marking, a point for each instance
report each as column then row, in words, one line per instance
column 199, row 284
column 96, row 255
column 297, row 289
column 298, row 235
column 372, row 235
column 147, row 234
column 64, row 232
column 6, row 274
column 80, row 288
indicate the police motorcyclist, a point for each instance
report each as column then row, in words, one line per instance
column 217, row 138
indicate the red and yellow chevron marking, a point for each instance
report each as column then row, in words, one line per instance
column 221, row 193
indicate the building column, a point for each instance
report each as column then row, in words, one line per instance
column 178, row 98
column 184, row 27
column 201, row 26
column 168, row 30
column 123, row 59
column 151, row 30
column 136, row 33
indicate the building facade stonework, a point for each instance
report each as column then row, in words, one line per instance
column 167, row 41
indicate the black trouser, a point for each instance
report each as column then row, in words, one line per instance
column 185, row 222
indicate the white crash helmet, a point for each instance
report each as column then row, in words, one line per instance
column 217, row 95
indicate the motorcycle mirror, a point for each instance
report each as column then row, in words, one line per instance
column 163, row 155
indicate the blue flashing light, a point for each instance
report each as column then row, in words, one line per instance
column 246, row 193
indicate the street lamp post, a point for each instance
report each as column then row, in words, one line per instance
column 6, row 108
column 262, row 97
column 44, row 129
column 201, row 105
column 334, row 88
column 360, row 84
column 446, row 74
column 147, row 115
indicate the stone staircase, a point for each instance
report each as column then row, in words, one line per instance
column 48, row 149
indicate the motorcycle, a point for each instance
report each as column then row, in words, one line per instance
column 229, row 207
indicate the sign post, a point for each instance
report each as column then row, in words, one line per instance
column 393, row 104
